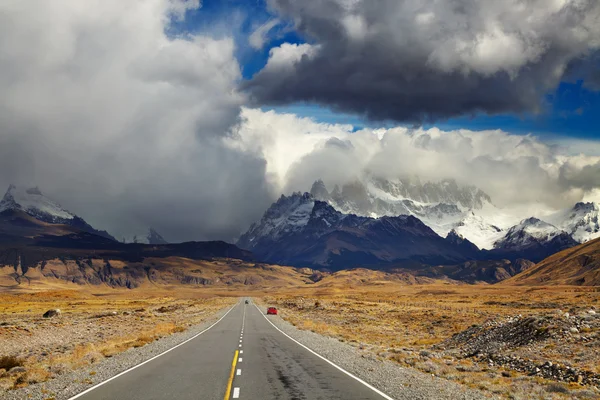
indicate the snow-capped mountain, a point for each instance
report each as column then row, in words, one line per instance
column 581, row 221
column 443, row 206
column 534, row 239
column 33, row 202
column 286, row 216
column 301, row 230
column 528, row 232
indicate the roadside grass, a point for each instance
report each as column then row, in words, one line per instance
column 135, row 322
column 404, row 323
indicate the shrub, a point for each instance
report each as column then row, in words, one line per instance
column 557, row 388
column 8, row 362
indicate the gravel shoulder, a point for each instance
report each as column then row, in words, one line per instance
column 394, row 380
column 69, row 384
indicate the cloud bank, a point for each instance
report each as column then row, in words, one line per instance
column 415, row 60
column 122, row 124
column 516, row 171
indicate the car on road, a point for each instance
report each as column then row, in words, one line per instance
column 271, row 311
column 247, row 302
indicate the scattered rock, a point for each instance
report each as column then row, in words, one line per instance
column 52, row 313
column 16, row 370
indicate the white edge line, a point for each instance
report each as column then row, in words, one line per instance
column 379, row 392
column 147, row 361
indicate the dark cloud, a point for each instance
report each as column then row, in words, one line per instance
column 122, row 125
column 414, row 60
column 585, row 177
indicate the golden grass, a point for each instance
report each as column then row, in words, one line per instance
column 139, row 320
column 401, row 323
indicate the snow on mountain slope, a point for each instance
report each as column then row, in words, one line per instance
column 479, row 231
column 527, row 232
column 34, row 203
column 446, row 191
column 300, row 230
column 443, row 206
column 42, row 208
column 581, row 221
column 286, row 215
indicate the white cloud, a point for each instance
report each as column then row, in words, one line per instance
column 517, row 171
column 285, row 56
column 258, row 38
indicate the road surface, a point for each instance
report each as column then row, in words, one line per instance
column 242, row 356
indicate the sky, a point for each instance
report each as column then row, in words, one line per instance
column 193, row 116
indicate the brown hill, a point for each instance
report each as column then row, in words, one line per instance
column 578, row 265
column 166, row 273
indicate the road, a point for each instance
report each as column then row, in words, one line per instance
column 242, row 356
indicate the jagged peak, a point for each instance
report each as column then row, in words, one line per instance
column 533, row 221
column 154, row 237
column 454, row 234
column 585, row 206
column 319, row 190
column 32, row 201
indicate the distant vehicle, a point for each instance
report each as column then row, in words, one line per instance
column 247, row 301
column 271, row 311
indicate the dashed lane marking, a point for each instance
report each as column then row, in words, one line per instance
column 153, row 358
column 239, row 372
column 236, row 393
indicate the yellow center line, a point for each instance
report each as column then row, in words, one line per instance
column 230, row 381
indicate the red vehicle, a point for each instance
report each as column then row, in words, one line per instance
column 271, row 311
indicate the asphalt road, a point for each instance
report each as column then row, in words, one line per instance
column 243, row 355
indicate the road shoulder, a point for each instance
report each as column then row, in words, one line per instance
column 69, row 384
column 396, row 381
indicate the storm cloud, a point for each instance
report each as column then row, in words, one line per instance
column 130, row 127
column 414, row 60
column 120, row 123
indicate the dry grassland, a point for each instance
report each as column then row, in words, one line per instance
column 415, row 326
column 91, row 327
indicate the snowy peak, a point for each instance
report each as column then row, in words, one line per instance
column 300, row 230
column 319, row 191
column 287, row 215
column 529, row 232
column 443, row 205
column 377, row 196
column 582, row 221
column 34, row 203
column 446, row 191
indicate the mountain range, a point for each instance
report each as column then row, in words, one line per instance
column 35, row 229
column 383, row 222
column 423, row 233
column 301, row 230
column 33, row 202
